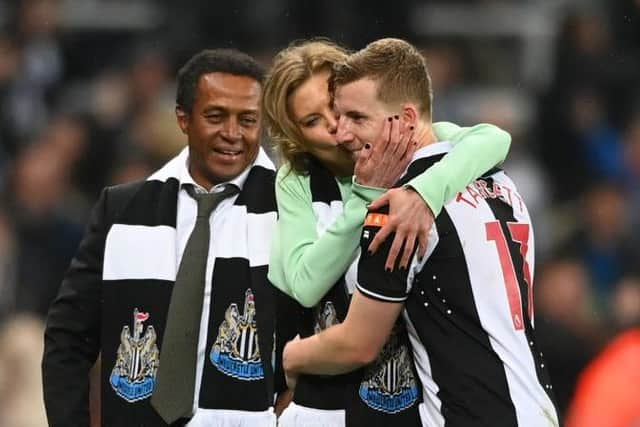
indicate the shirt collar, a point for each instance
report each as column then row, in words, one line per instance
column 186, row 179
column 432, row 150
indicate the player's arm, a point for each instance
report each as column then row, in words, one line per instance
column 375, row 306
column 348, row 345
column 414, row 207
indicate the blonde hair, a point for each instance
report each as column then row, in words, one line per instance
column 291, row 68
column 397, row 66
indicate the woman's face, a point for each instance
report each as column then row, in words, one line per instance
column 310, row 106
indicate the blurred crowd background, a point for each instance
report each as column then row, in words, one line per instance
column 87, row 100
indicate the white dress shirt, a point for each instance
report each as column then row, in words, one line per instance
column 186, row 218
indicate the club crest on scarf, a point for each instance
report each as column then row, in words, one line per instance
column 134, row 375
column 389, row 384
column 326, row 316
column 235, row 351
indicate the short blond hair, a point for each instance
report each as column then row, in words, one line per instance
column 397, row 66
column 291, row 68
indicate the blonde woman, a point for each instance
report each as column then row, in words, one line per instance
column 321, row 213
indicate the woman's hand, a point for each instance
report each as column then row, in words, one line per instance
column 382, row 163
column 410, row 218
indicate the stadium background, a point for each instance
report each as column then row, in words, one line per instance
column 87, row 97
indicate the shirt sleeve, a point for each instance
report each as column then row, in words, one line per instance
column 374, row 281
column 475, row 151
column 303, row 264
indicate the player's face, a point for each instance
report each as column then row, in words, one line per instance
column 361, row 114
column 222, row 128
column 310, row 106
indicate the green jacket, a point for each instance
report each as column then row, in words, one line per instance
column 305, row 266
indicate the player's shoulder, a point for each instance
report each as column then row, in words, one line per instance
column 373, row 222
column 376, row 219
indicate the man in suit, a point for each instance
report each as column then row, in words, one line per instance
column 173, row 353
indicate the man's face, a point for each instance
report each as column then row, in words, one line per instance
column 361, row 113
column 222, row 128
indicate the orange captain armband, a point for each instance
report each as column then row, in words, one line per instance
column 375, row 220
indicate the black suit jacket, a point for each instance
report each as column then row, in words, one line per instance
column 89, row 314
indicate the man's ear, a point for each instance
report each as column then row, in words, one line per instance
column 183, row 120
column 410, row 113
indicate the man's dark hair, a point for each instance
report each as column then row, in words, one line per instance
column 230, row 61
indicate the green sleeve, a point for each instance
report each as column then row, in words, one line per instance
column 304, row 265
column 475, row 151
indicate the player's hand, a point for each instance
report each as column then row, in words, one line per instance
column 290, row 376
column 282, row 401
column 382, row 163
column 410, row 218
column 292, row 379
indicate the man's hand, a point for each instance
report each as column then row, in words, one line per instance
column 381, row 164
column 410, row 218
column 287, row 355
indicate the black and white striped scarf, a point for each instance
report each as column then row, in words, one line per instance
column 352, row 391
column 318, row 391
column 140, row 268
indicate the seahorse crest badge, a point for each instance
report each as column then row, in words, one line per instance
column 235, row 351
column 133, row 377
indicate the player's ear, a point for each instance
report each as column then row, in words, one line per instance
column 183, row 119
column 410, row 113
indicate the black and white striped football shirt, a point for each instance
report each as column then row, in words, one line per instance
column 468, row 306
